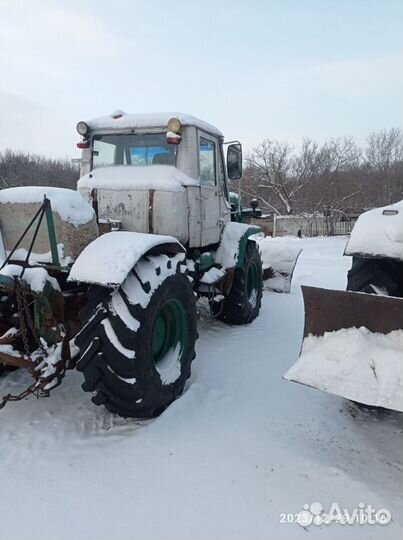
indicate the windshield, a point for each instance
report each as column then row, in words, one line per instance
column 133, row 149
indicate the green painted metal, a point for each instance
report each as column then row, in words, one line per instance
column 6, row 283
column 159, row 334
column 242, row 214
column 51, row 232
column 243, row 242
column 43, row 308
column 206, row 260
column 170, row 328
column 236, row 207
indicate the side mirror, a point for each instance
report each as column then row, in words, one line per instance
column 234, row 161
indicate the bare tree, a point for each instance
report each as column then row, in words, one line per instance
column 384, row 155
column 18, row 169
column 276, row 175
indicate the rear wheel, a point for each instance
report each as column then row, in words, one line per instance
column 137, row 343
column 376, row 276
column 242, row 305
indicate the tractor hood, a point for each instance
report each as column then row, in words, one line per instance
column 151, row 199
column 127, row 177
column 378, row 233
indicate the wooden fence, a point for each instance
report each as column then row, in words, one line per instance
column 331, row 228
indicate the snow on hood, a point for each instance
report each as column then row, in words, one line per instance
column 378, row 235
column 123, row 177
column 150, row 120
column 69, row 204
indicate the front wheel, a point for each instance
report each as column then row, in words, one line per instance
column 376, row 276
column 242, row 305
column 137, row 343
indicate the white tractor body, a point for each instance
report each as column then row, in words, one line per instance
column 134, row 176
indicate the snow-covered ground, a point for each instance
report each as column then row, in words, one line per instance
column 241, row 447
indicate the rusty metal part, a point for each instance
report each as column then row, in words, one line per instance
column 8, row 339
column 227, row 280
column 151, row 210
column 35, row 354
column 104, row 227
column 328, row 311
column 15, row 361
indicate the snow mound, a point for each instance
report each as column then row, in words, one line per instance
column 36, row 278
column 354, row 363
column 149, row 120
column 125, row 177
column 69, row 204
column 378, row 235
column 20, row 254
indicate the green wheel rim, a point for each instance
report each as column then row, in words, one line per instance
column 252, row 283
column 170, row 329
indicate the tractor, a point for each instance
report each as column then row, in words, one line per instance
column 105, row 279
column 353, row 340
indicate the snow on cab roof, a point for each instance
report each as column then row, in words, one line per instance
column 122, row 120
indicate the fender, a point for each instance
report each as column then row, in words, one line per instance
column 108, row 260
column 235, row 237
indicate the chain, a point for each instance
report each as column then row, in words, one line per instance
column 40, row 386
column 11, row 397
column 20, row 308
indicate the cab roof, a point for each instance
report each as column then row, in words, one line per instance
column 121, row 120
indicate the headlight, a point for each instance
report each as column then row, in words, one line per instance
column 174, row 125
column 83, row 128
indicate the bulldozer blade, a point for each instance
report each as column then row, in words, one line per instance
column 352, row 347
column 328, row 311
column 279, row 261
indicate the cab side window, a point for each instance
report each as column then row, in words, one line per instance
column 221, row 175
column 207, row 153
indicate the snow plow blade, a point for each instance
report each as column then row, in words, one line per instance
column 327, row 311
column 353, row 347
column 279, row 259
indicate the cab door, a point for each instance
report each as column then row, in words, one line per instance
column 223, row 192
column 209, row 189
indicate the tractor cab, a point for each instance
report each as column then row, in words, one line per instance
column 141, row 171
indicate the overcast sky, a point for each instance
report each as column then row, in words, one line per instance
column 255, row 68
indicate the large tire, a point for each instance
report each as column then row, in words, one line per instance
column 242, row 305
column 376, row 276
column 137, row 343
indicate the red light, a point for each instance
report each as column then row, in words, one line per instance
column 174, row 140
column 83, row 144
